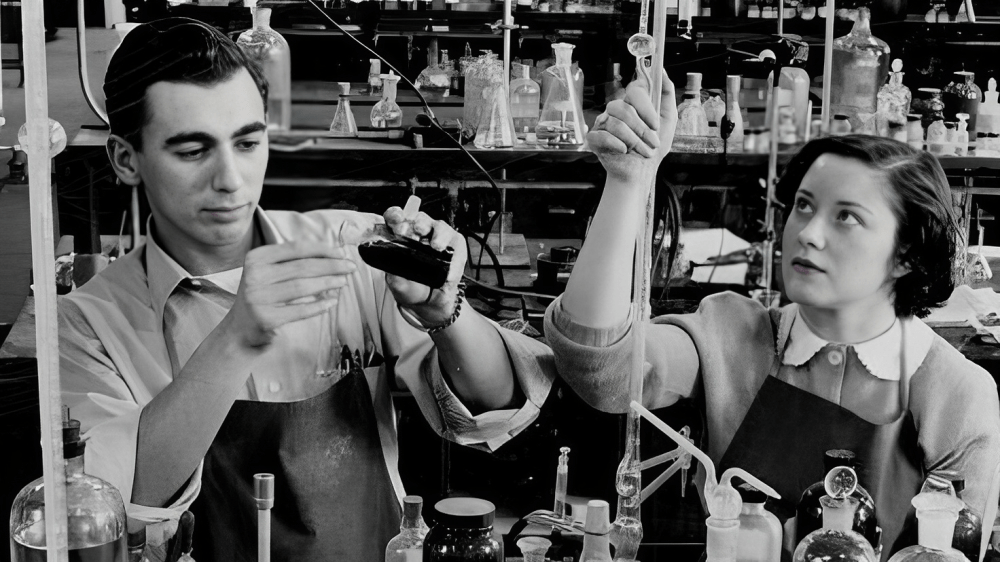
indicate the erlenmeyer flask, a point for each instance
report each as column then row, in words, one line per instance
column 386, row 113
column 343, row 124
column 496, row 127
column 561, row 120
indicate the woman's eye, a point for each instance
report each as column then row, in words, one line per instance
column 848, row 218
column 802, row 205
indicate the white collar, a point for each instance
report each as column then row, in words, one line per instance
column 880, row 355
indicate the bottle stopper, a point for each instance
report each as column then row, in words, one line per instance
column 897, row 65
column 412, row 207
column 345, row 88
column 693, row 82
column 263, row 490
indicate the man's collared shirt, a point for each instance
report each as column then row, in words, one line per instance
column 114, row 358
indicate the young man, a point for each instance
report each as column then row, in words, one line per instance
column 201, row 358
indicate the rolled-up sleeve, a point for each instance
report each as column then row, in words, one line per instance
column 597, row 362
column 99, row 398
column 419, row 370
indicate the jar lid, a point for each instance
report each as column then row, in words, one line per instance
column 465, row 513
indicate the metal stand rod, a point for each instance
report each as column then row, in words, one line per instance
column 827, row 68
column 81, row 58
column 36, row 101
column 263, row 493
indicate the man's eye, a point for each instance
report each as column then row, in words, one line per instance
column 192, row 154
column 248, row 146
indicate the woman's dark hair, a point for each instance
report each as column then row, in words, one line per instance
column 928, row 236
column 179, row 50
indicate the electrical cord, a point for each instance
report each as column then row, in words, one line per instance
column 432, row 120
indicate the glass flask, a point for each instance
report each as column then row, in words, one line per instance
column 409, row 543
column 483, row 74
column 836, row 540
column 270, row 50
column 560, row 122
column 436, row 78
column 463, row 533
column 96, row 515
column 615, row 90
column 893, row 100
column 525, row 96
column 386, row 114
column 343, row 124
column 691, row 118
column 969, row 526
column 760, row 530
column 988, row 120
column 860, row 67
column 496, row 127
column 809, row 512
column 936, row 517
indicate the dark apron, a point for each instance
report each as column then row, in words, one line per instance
column 333, row 497
column 786, row 431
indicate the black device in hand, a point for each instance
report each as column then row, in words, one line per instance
column 408, row 259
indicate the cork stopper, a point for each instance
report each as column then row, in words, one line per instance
column 693, row 83
column 597, row 518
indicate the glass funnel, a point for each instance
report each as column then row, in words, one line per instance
column 343, row 124
column 386, row 114
column 96, row 514
column 560, row 122
column 266, row 46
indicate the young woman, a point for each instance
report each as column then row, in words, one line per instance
column 868, row 247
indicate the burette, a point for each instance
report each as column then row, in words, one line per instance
column 627, row 528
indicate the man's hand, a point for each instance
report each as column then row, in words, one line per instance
column 285, row 283
column 629, row 138
column 432, row 306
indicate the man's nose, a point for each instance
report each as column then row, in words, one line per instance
column 227, row 175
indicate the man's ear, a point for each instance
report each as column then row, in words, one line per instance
column 124, row 160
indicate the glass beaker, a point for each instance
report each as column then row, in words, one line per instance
column 560, row 122
column 386, row 114
column 343, row 124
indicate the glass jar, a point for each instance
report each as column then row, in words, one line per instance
column 962, row 95
column 463, row 532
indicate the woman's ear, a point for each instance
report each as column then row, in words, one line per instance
column 902, row 266
column 124, row 160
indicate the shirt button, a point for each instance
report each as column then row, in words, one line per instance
column 836, row 357
column 195, row 283
column 274, row 386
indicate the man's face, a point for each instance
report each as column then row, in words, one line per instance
column 203, row 161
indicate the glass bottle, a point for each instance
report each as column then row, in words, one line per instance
column 795, row 81
column 988, row 120
column 893, row 100
column 374, row 77
column 937, row 134
column 596, row 545
column 463, row 533
column 914, row 131
column 841, row 125
column 386, row 114
column 961, row 142
column 836, row 540
column 496, row 127
column 270, row 50
column 860, row 67
column 409, row 543
column 560, row 122
column 969, row 526
column 525, row 96
column 691, row 118
column 615, row 90
column 96, row 514
column 809, row 512
column 562, row 479
column 343, row 124
column 936, row 516
column 760, row 530
column 732, row 123
column 962, row 95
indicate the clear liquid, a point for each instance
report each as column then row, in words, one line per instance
column 114, row 551
column 856, row 80
column 524, row 109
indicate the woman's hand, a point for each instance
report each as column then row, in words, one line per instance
column 432, row 306
column 629, row 138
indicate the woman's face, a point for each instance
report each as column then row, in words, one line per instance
column 839, row 240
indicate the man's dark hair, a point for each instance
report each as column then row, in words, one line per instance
column 928, row 237
column 179, row 50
